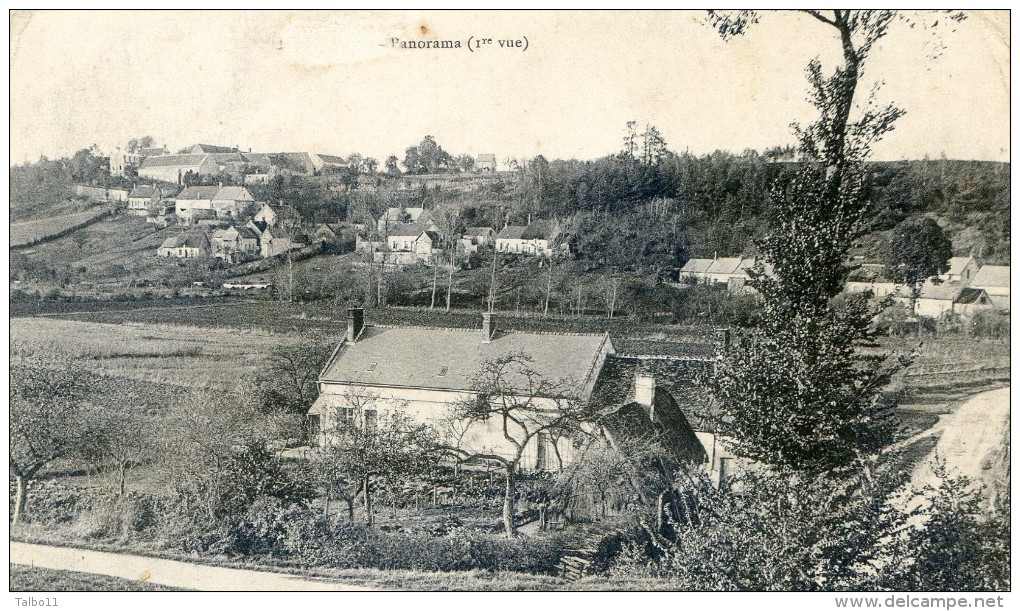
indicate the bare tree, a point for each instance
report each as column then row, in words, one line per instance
column 522, row 404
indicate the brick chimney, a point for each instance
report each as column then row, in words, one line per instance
column 488, row 326
column 644, row 392
column 355, row 323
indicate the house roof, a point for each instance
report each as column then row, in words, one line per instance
column 143, row 191
column 398, row 214
column 190, row 239
column 486, row 158
column 540, row 230
column 1001, row 302
column 234, row 193
column 672, row 431
column 942, row 292
column 725, row 265
column 212, row 148
column 971, row 295
column 193, row 193
column 512, row 232
column 151, row 150
column 333, row 159
column 956, row 265
column 433, row 235
column 303, row 160
column 401, row 230
column 245, row 232
column 448, row 359
column 696, row 266
column 991, row 276
column 477, row 231
column 165, row 161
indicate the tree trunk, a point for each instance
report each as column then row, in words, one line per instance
column 510, row 502
column 350, row 510
column 21, row 496
column 366, row 485
column 548, row 289
column 435, row 277
column 449, row 287
column 123, row 477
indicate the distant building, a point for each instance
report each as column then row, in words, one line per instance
column 485, row 162
column 397, row 216
column 188, row 245
column 146, row 199
column 271, row 246
column 235, row 243
column 208, row 202
column 538, row 238
column 266, row 215
column 202, row 149
column 961, row 270
column 173, row 168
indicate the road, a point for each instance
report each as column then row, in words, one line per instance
column 968, row 435
column 167, row 572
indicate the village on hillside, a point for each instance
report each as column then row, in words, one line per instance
column 661, row 366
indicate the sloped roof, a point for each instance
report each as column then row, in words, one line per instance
column 246, row 232
column 212, row 148
column 234, row 193
column 448, row 359
column 477, row 231
column 334, row 159
column 143, row 191
column 222, row 158
column 672, row 431
column 991, row 276
column 397, row 214
column 151, row 150
column 486, row 158
column 512, row 232
column 304, row 160
column 193, row 193
column 956, row 265
column 406, row 230
column 725, row 265
column 1001, row 302
column 696, row 266
column 191, row 239
column 943, row 292
column 165, row 161
column 540, row 230
column 971, row 295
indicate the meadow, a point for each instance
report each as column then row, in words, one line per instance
column 180, row 355
column 31, row 232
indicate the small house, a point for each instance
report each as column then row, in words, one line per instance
column 994, row 279
column 188, row 245
column 485, row 162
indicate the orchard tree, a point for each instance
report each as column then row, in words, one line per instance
column 362, row 447
column 509, row 395
column 918, row 249
column 796, row 391
column 50, row 419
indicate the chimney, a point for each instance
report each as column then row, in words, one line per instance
column 355, row 323
column 644, row 392
column 722, row 338
column 488, row 326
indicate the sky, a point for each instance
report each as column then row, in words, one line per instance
column 333, row 82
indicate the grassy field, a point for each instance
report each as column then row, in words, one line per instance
column 39, row 229
column 177, row 355
column 34, row 579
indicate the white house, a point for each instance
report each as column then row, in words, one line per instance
column 394, row 217
column 961, row 270
column 427, row 372
column 230, row 202
column 537, row 238
column 186, row 246
column 266, row 215
column 485, row 162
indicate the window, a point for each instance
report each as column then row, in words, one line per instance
column 346, row 416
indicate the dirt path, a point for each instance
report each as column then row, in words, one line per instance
column 166, row 572
column 968, row 436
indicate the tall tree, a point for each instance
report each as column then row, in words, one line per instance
column 796, row 390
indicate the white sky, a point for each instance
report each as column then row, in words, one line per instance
column 330, row 82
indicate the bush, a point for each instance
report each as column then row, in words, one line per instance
column 992, row 325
